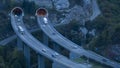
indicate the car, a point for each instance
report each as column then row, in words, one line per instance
column 104, row 60
column 44, row 50
column 53, row 33
column 21, row 30
column 45, row 20
column 43, row 25
column 55, row 55
column 18, row 20
column 16, row 16
column 75, row 47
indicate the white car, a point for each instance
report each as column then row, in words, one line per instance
column 75, row 47
column 55, row 55
column 45, row 20
column 44, row 50
column 16, row 16
column 18, row 20
column 21, row 30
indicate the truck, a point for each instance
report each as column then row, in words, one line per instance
column 45, row 21
column 21, row 30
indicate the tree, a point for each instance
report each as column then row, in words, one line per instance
column 29, row 7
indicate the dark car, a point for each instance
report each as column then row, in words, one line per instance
column 104, row 60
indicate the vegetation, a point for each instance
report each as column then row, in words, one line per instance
column 90, row 63
column 107, row 26
column 10, row 57
column 5, row 7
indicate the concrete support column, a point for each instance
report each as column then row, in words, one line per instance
column 57, row 65
column 41, row 61
column 19, row 44
column 73, row 56
column 27, row 56
column 45, row 39
column 56, row 47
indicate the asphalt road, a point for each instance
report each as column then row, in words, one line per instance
column 96, row 12
column 38, row 47
column 9, row 39
column 50, row 31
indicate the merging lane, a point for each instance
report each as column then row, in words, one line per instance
column 9, row 39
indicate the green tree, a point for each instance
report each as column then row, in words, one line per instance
column 29, row 7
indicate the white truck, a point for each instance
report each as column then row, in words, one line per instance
column 21, row 30
column 55, row 55
column 45, row 21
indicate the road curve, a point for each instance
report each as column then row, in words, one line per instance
column 9, row 39
column 95, row 14
column 26, row 37
column 50, row 31
column 95, row 9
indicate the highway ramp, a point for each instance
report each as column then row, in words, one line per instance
column 26, row 37
column 52, row 33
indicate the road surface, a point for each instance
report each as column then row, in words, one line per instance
column 50, row 31
column 26, row 37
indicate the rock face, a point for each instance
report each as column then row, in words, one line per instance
column 43, row 3
column 76, row 13
column 84, row 31
column 86, row 2
column 61, row 4
column 95, row 10
column 92, row 32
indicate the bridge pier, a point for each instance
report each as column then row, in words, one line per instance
column 27, row 56
column 41, row 61
column 45, row 39
column 19, row 44
column 56, row 47
column 57, row 65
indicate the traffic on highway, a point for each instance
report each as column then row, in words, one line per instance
column 51, row 32
column 19, row 28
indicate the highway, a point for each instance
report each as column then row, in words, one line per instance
column 9, row 39
column 51, row 32
column 96, row 12
column 26, row 37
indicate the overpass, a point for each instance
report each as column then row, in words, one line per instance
column 96, row 12
column 52, row 33
column 19, row 28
